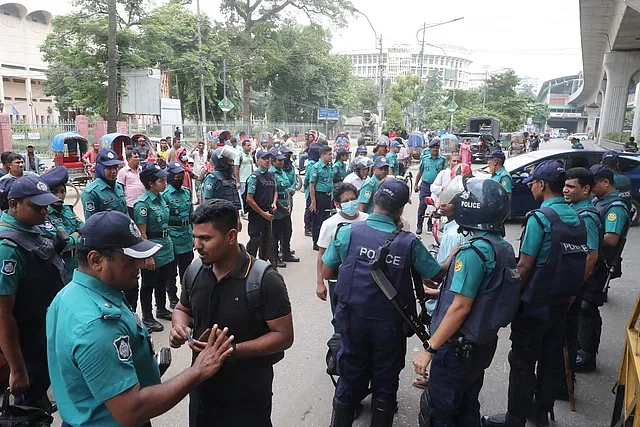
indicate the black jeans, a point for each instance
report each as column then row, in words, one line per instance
column 282, row 231
column 308, row 215
column 323, row 205
column 154, row 280
column 179, row 263
column 260, row 237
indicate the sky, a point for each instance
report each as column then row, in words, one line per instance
column 539, row 39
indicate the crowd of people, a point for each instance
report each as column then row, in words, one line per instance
column 72, row 324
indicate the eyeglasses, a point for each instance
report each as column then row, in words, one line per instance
column 530, row 184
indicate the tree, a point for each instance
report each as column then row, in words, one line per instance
column 254, row 17
column 359, row 94
column 401, row 98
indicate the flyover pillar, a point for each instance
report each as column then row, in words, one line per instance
column 620, row 67
column 635, row 131
column 592, row 115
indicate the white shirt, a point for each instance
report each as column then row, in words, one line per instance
column 354, row 178
column 442, row 180
column 403, row 154
column 329, row 227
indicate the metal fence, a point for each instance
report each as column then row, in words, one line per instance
column 39, row 134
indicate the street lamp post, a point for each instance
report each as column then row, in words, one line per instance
column 203, row 115
column 423, row 29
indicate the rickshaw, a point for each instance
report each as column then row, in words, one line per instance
column 416, row 144
column 117, row 142
column 68, row 148
column 449, row 143
column 152, row 147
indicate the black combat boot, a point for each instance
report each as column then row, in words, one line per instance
column 585, row 362
column 382, row 412
column 342, row 415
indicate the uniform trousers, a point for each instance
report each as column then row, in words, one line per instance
column 323, row 207
column 260, row 237
column 308, row 216
column 154, row 280
column 425, row 191
column 282, row 230
column 179, row 263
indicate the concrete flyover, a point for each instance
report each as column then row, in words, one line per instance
column 610, row 31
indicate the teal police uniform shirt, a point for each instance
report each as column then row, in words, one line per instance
column 97, row 349
column 339, row 171
column 152, row 211
column 536, row 241
column 616, row 216
column 307, row 176
column 98, row 196
column 394, row 165
column 367, row 191
column 621, row 181
column 14, row 261
column 180, row 208
column 431, row 167
column 592, row 223
column 335, row 254
column 322, row 177
column 65, row 216
column 210, row 186
column 502, row 177
column 283, row 187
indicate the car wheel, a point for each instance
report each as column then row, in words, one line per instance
column 635, row 208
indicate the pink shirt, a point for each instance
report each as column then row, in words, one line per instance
column 133, row 187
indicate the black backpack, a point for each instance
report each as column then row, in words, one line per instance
column 253, row 287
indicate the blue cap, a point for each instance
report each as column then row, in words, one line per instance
column 380, row 162
column 277, row 154
column 342, row 150
column 174, row 168
column 34, row 189
column 150, row 170
column 108, row 158
column 496, row 154
column 262, row 153
column 361, row 149
column 601, row 171
column 395, row 144
column 395, row 192
column 285, row 150
column 610, row 158
column 115, row 230
column 56, row 176
column 434, row 142
column 549, row 170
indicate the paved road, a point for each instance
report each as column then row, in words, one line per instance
column 303, row 391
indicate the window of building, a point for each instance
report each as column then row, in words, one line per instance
column 431, row 60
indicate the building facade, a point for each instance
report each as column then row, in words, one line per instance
column 21, row 66
column 451, row 63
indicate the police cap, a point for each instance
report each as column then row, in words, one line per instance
column 393, row 193
column 108, row 158
column 381, row 162
column 262, row 153
column 56, row 176
column 496, row 154
column 34, row 189
column 277, row 154
column 174, row 168
column 152, row 170
column 549, row 170
column 602, row 172
column 610, row 158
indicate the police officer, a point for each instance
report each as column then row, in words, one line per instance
column 392, row 158
column 431, row 163
column 340, row 165
column 61, row 215
column 282, row 228
column 614, row 212
column 221, row 182
column 552, row 263
column 361, row 167
column 373, row 341
column 104, row 192
column 289, row 170
column 31, row 275
column 361, row 151
column 320, row 191
column 479, row 295
column 498, row 172
column 261, row 199
column 370, row 186
column 577, row 192
column 151, row 215
column 576, row 144
column 178, row 200
column 382, row 148
column 103, row 370
column 314, row 156
column 611, row 159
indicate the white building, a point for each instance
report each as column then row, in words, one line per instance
column 22, row 69
column 451, row 63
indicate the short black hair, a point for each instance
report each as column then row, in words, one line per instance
column 232, row 140
column 13, row 156
column 556, row 187
column 583, row 175
column 325, row 149
column 129, row 154
column 342, row 188
column 82, row 253
column 222, row 215
column 4, row 157
column 162, row 139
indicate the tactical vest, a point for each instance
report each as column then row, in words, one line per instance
column 561, row 275
column 45, row 277
column 603, row 206
column 356, row 287
column 625, row 189
column 227, row 189
column 265, row 190
column 495, row 306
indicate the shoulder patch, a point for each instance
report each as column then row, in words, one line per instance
column 504, row 183
column 123, row 348
column 458, row 266
column 9, row 267
column 90, row 206
column 209, row 186
column 143, row 211
column 367, row 194
column 612, row 217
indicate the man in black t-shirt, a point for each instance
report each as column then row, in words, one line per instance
column 240, row 393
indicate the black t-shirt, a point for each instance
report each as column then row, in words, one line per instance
column 224, row 302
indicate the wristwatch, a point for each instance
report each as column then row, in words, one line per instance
column 427, row 346
column 233, row 356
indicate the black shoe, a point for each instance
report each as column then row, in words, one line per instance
column 290, row 258
column 540, row 419
column 585, row 362
column 292, row 252
column 281, row 264
column 382, row 412
column 163, row 314
column 342, row 415
column 316, row 248
column 419, row 230
column 308, row 233
column 502, row 420
column 152, row 324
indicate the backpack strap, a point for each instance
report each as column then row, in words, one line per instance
column 254, row 286
column 192, row 273
column 476, row 250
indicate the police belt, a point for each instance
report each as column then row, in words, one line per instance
column 69, row 253
column 157, row 234
column 324, row 193
column 283, row 196
column 179, row 222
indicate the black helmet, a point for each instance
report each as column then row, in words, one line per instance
column 483, row 205
column 220, row 157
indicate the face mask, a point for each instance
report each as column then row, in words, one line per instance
column 184, row 158
column 349, row 208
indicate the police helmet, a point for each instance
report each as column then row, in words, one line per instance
column 363, row 163
column 220, row 155
column 483, row 205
